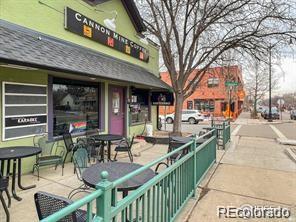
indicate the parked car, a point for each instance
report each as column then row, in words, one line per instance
column 274, row 113
column 191, row 116
column 293, row 114
column 264, row 110
column 260, row 109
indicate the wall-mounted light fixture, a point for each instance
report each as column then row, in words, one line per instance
column 110, row 23
column 144, row 40
column 95, row 2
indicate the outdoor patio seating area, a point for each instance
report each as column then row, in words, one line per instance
column 52, row 181
column 131, row 164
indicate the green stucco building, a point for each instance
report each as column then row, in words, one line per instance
column 64, row 64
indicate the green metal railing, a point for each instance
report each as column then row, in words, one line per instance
column 223, row 132
column 226, row 135
column 160, row 199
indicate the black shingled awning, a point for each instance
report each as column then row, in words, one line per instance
column 22, row 46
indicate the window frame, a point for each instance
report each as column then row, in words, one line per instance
column 134, row 93
column 190, row 105
column 62, row 81
column 213, row 82
column 4, row 105
column 204, row 105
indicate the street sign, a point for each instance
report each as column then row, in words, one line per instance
column 231, row 83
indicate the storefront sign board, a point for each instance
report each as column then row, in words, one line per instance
column 79, row 24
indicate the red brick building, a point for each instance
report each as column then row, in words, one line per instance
column 212, row 96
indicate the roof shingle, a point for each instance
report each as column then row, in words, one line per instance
column 26, row 47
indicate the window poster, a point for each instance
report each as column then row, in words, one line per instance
column 115, row 102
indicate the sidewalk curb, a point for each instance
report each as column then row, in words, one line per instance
column 260, row 122
column 291, row 153
column 286, row 142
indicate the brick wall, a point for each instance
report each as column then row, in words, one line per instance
column 216, row 94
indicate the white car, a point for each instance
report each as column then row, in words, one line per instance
column 188, row 115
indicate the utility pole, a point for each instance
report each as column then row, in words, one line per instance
column 293, row 103
column 229, row 103
column 269, row 114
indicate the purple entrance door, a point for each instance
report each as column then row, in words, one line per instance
column 117, row 110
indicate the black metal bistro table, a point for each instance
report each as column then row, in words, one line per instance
column 107, row 138
column 199, row 140
column 180, row 139
column 16, row 154
column 92, row 175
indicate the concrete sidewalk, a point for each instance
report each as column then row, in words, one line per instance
column 255, row 170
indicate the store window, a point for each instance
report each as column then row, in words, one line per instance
column 204, row 105
column 223, row 106
column 75, row 108
column 139, row 106
column 189, row 104
column 213, row 82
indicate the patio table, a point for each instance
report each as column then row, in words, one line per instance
column 92, row 175
column 180, row 139
column 188, row 139
column 107, row 138
column 16, row 154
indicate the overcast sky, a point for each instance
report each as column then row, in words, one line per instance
column 288, row 76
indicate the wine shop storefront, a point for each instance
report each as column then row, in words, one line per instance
column 69, row 66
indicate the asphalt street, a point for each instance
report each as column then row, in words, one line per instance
column 192, row 128
column 186, row 127
column 286, row 126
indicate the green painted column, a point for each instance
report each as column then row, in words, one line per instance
column 104, row 201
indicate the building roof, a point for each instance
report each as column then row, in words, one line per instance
column 131, row 10
column 134, row 15
column 22, row 46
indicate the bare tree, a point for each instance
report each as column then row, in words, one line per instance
column 290, row 100
column 257, row 83
column 193, row 34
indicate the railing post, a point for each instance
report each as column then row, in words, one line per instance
column 223, row 134
column 193, row 149
column 229, row 133
column 214, row 148
column 103, row 208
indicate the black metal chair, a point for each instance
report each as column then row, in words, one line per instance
column 125, row 146
column 50, row 155
column 202, row 132
column 4, row 181
column 80, row 160
column 93, row 146
column 47, row 204
column 90, row 146
column 173, row 145
column 69, row 144
column 168, row 163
